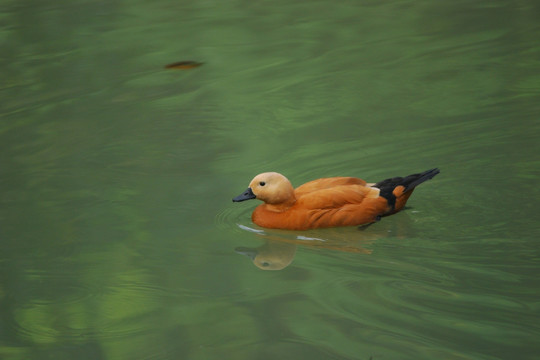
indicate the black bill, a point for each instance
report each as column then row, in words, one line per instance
column 246, row 195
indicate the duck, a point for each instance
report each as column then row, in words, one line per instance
column 328, row 202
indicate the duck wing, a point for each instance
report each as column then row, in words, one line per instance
column 336, row 197
column 326, row 183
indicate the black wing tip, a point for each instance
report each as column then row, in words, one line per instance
column 409, row 182
column 435, row 171
column 412, row 181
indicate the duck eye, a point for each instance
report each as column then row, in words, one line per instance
column 262, row 183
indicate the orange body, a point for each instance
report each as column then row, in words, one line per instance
column 327, row 202
column 324, row 203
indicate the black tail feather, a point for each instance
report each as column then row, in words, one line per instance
column 409, row 182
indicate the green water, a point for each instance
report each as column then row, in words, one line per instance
column 118, row 236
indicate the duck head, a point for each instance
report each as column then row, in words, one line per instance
column 271, row 187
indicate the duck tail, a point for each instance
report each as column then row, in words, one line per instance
column 408, row 183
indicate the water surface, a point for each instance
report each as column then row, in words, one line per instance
column 118, row 236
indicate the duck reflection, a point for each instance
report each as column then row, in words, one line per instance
column 272, row 255
column 279, row 248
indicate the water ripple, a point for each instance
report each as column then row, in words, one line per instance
column 228, row 218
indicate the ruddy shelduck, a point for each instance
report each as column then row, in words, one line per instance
column 327, row 202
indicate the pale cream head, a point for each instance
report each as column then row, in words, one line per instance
column 272, row 188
